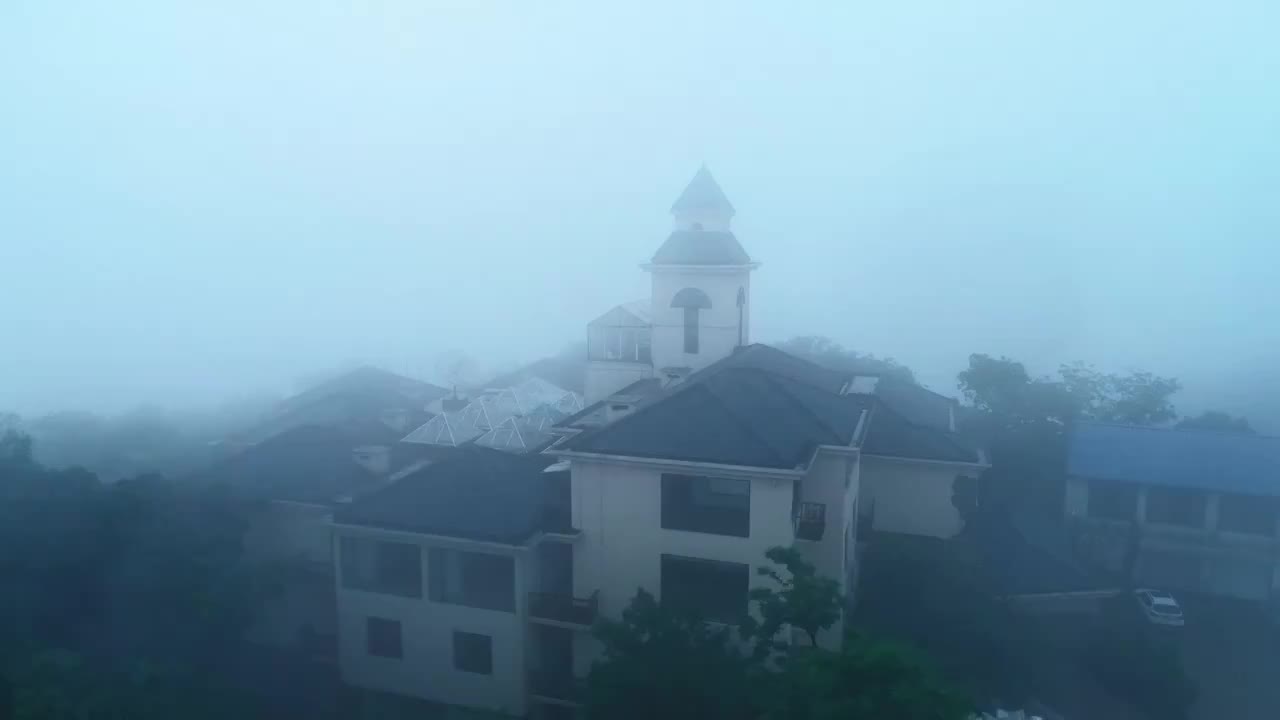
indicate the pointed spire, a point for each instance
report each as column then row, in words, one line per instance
column 702, row 197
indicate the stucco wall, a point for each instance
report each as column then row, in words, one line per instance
column 832, row 481
column 605, row 377
column 619, row 509
column 911, row 498
column 427, row 670
column 718, row 333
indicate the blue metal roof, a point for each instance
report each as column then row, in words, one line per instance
column 1199, row 459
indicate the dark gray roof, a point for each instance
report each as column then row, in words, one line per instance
column 475, row 493
column 702, row 193
column 1199, row 459
column 737, row 416
column 917, row 404
column 776, row 362
column 593, row 414
column 361, row 395
column 766, row 408
column 310, row 463
column 701, row 247
column 892, row 435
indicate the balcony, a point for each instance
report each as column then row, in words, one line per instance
column 559, row 687
column 563, row 608
column 619, row 344
column 810, row 521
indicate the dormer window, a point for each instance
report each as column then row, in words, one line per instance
column 691, row 300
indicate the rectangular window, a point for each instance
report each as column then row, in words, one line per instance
column 473, row 652
column 691, row 330
column 393, row 568
column 479, row 580
column 1247, row 514
column 720, row 506
column 709, row 589
column 1112, row 500
column 1175, row 506
column 382, row 637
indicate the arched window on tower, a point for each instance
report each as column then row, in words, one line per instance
column 691, row 300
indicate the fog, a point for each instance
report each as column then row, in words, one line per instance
column 204, row 200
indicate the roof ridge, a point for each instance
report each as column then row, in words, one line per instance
column 779, row 382
column 738, row 421
column 948, row 435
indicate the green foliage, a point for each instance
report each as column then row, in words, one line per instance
column 932, row 595
column 801, row 599
column 866, row 680
column 1138, row 398
column 828, row 353
column 63, row 685
column 142, row 575
column 1023, row 421
column 1215, row 420
column 659, row 663
column 662, row 664
column 1133, row 663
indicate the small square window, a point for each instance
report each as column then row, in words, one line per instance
column 473, row 652
column 382, row 637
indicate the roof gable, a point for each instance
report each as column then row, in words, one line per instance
column 739, row 416
column 763, row 407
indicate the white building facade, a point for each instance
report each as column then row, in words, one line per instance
column 697, row 453
column 699, row 307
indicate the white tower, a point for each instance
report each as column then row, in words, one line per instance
column 701, row 298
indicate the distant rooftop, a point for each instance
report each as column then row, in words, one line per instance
column 1197, row 459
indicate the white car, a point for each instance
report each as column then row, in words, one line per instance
column 1159, row 607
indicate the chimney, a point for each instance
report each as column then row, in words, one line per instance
column 374, row 458
column 453, row 403
column 617, row 409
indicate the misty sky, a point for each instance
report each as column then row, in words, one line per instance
column 199, row 200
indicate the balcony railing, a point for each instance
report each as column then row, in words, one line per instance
column 559, row 686
column 565, row 608
column 810, row 520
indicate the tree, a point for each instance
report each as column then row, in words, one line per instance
column 1023, row 420
column 1138, row 667
column 829, row 353
column 122, row 600
column 1138, row 398
column 866, row 680
column 802, row 599
column 936, row 596
column 659, row 663
column 1215, row 420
